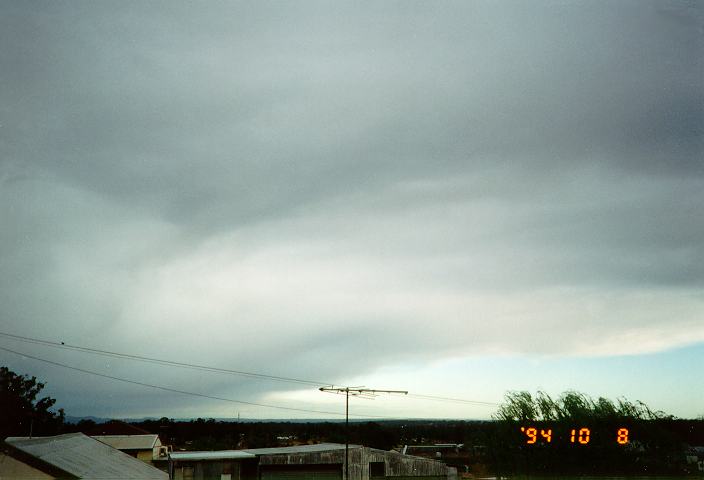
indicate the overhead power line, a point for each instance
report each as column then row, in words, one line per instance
column 174, row 390
column 226, row 371
column 158, row 361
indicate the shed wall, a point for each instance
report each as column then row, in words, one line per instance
column 207, row 469
column 395, row 464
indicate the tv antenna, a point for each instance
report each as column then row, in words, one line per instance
column 355, row 392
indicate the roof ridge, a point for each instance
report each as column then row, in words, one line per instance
column 47, row 437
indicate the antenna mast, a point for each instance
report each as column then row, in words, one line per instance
column 355, row 391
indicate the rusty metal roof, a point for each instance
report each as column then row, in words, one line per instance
column 254, row 452
column 85, row 457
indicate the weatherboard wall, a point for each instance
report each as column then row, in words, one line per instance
column 11, row 468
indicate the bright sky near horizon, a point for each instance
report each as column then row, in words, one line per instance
column 450, row 198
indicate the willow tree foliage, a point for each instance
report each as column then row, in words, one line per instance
column 652, row 442
column 571, row 405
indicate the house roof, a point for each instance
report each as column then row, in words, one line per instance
column 129, row 442
column 216, row 455
column 114, row 427
column 85, row 457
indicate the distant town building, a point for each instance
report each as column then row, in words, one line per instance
column 694, row 456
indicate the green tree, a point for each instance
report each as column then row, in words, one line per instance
column 21, row 413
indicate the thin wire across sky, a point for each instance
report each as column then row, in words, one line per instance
column 206, row 368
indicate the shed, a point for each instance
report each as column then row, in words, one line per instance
column 322, row 461
column 219, row 465
column 326, row 461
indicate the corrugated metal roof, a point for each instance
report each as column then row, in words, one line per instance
column 216, row 455
column 85, row 457
column 129, row 442
column 320, row 447
column 253, row 452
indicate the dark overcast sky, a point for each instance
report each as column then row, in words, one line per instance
column 459, row 198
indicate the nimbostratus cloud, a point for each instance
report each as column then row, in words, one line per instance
column 462, row 179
